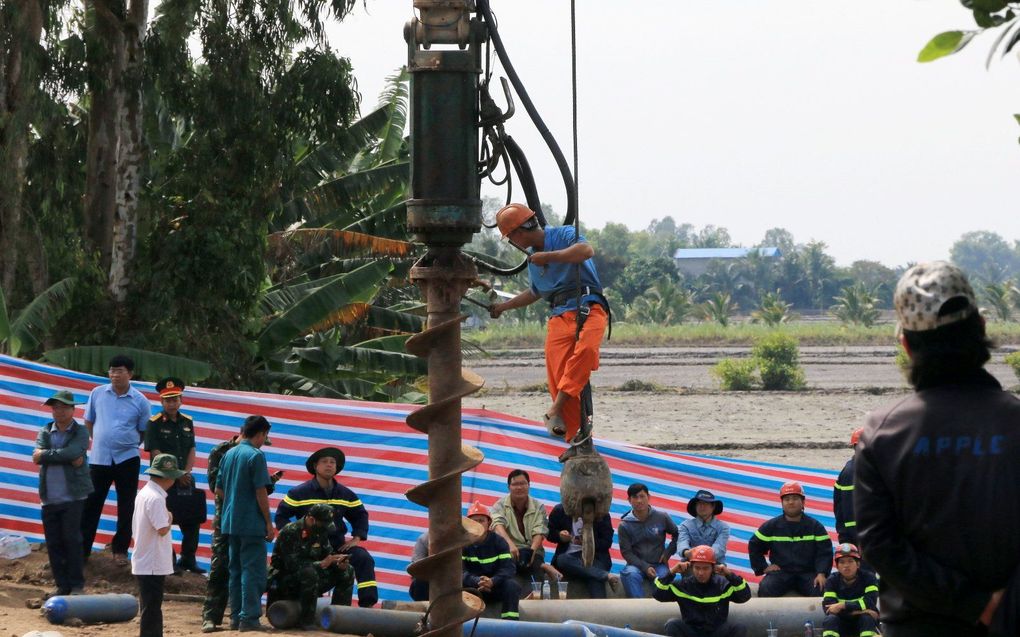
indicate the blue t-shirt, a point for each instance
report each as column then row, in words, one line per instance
column 242, row 471
column 547, row 279
column 117, row 423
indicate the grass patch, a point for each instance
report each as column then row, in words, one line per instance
column 807, row 333
column 537, row 387
column 640, row 385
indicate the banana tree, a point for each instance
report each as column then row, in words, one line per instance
column 29, row 326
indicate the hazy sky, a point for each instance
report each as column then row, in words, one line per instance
column 812, row 116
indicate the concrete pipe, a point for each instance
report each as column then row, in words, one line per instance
column 787, row 614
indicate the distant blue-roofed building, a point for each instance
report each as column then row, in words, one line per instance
column 694, row 261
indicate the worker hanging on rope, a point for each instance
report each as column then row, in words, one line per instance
column 572, row 340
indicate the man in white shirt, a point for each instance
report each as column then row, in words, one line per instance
column 153, row 557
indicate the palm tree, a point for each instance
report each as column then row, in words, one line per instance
column 663, row 304
column 997, row 295
column 772, row 310
column 856, row 305
column 719, row 308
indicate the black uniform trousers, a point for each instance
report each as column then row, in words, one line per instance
column 62, row 529
column 678, row 628
column 508, row 593
column 124, row 477
column 845, row 625
column 778, row 583
column 364, row 572
column 150, row 602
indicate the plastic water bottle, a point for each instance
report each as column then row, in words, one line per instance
column 809, row 629
column 546, row 590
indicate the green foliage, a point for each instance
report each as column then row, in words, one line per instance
column 777, row 357
column 35, row 321
column 856, row 305
column 640, row 385
column 642, row 273
column 150, row 366
column 718, row 308
column 999, row 296
column 944, row 44
column 663, row 304
column 902, row 359
column 985, row 256
column 736, row 374
column 772, row 310
column 1013, row 360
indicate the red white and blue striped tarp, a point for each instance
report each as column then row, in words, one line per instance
column 385, row 458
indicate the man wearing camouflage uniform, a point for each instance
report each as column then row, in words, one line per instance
column 217, row 589
column 304, row 566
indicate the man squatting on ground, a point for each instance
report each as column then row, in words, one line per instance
column 303, row 566
column 643, row 533
column 171, row 431
column 704, row 595
column 153, row 557
column 323, row 488
column 850, row 599
column 570, row 357
column 64, row 483
column 489, row 567
column 116, row 416
column 937, row 474
column 798, row 546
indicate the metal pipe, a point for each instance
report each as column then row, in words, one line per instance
column 788, row 614
column 286, row 613
column 601, row 630
column 393, row 623
column 91, row 608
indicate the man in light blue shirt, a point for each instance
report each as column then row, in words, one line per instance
column 116, row 415
column 704, row 528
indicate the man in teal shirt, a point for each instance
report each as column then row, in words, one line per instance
column 242, row 483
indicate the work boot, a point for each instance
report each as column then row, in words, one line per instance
column 209, row 627
column 253, row 627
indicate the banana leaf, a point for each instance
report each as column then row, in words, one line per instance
column 95, row 359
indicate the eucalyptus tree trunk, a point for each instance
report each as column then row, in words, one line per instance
column 21, row 24
column 131, row 147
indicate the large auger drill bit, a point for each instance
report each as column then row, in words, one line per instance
column 586, row 491
column 444, row 277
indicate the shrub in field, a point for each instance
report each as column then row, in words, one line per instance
column 640, row 385
column 778, row 359
column 735, row 374
column 1013, row 360
column 903, row 359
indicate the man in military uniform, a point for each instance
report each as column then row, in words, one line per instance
column 304, row 566
column 323, row 488
column 217, row 588
column 173, row 432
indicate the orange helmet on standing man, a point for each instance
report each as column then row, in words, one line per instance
column 513, row 216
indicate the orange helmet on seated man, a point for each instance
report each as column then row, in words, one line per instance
column 702, row 554
column 513, row 216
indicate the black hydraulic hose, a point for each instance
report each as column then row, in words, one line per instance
column 522, row 93
column 498, row 271
column 527, row 179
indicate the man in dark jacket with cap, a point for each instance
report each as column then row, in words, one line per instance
column 323, row 488
column 937, row 473
column 64, row 483
column 704, row 596
column 489, row 567
column 704, row 528
column 172, row 431
column 304, row 566
column 798, row 546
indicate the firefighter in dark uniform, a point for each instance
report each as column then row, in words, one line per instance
column 217, row 593
column 323, row 488
column 304, row 565
column 171, row 431
column 704, row 595
column 489, row 566
column 843, row 498
column 850, row 600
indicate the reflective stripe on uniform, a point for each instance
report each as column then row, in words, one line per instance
column 509, row 614
column 486, row 560
column 850, row 524
column 701, row 600
column 831, row 633
column 803, row 538
column 844, row 487
column 362, row 585
column 300, row 503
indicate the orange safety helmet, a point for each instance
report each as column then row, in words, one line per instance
column 702, row 554
column 477, row 508
column 855, row 437
column 511, row 217
column 846, row 550
column 791, row 488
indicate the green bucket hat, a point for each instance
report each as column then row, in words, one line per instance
column 62, row 396
column 165, row 466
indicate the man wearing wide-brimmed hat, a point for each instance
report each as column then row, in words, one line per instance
column 704, row 528
column 153, row 557
column 64, row 484
column 323, row 488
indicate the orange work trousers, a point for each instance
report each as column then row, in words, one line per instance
column 570, row 360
